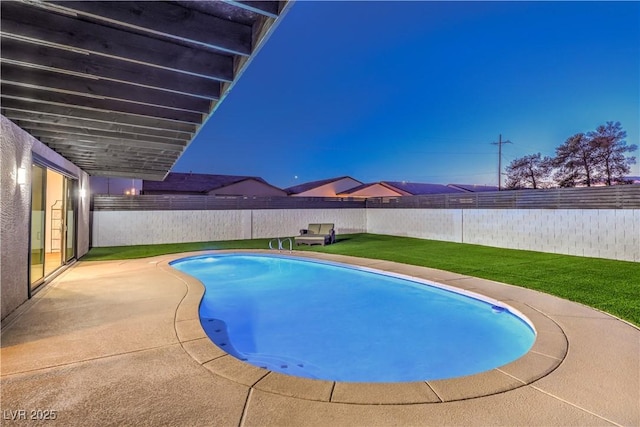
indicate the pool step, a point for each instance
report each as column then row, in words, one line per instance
column 282, row 364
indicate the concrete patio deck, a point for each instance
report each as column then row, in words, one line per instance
column 120, row 343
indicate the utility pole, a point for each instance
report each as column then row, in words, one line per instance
column 499, row 144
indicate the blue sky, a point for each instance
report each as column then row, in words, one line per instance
column 418, row 91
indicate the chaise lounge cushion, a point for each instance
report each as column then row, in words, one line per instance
column 312, row 229
column 326, row 229
column 316, row 234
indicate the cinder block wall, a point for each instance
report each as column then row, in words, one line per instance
column 432, row 224
column 288, row 222
column 600, row 233
column 123, row 228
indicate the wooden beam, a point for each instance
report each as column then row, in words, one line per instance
column 89, row 141
column 108, row 89
column 102, row 164
column 115, row 157
column 108, row 68
column 11, row 105
column 111, row 160
column 65, row 132
column 51, row 122
column 38, row 25
column 36, row 94
column 110, row 155
column 170, row 20
column 266, row 8
column 148, row 175
column 114, row 160
column 117, row 163
column 80, row 144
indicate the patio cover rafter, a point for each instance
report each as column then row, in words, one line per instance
column 137, row 78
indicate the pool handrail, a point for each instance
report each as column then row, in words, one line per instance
column 280, row 243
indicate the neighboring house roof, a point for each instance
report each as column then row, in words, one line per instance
column 372, row 189
column 195, row 182
column 399, row 188
column 474, row 188
column 417, row 189
column 301, row 188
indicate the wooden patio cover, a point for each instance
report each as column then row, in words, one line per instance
column 120, row 88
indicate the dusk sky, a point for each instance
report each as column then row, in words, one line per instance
column 418, row 91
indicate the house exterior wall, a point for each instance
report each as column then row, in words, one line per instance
column 16, row 150
column 249, row 188
column 14, row 202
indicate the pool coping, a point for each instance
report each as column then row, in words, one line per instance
column 547, row 354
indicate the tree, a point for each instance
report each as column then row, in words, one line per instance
column 575, row 162
column 529, row 171
column 609, row 148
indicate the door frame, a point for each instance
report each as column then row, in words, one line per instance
column 69, row 180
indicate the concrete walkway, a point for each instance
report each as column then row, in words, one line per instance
column 119, row 343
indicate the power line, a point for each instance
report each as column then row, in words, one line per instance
column 499, row 144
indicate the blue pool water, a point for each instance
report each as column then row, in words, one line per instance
column 333, row 322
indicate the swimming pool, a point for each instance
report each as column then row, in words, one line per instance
column 329, row 321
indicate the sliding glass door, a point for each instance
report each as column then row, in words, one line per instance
column 53, row 222
column 70, row 190
column 54, row 226
column 38, row 197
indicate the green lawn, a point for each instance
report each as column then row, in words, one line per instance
column 611, row 286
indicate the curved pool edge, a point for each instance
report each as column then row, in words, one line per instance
column 547, row 353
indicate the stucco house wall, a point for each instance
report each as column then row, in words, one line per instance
column 17, row 150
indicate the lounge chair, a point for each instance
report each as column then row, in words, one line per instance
column 316, row 234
